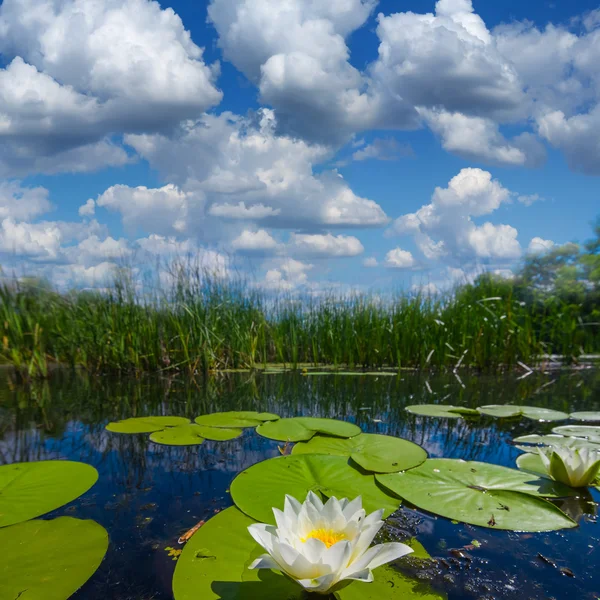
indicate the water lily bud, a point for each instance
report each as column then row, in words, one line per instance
column 577, row 467
column 320, row 545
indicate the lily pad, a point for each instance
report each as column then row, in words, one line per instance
column 214, row 565
column 586, row 416
column 301, row 429
column 262, row 487
column 505, row 411
column 585, row 431
column 554, row 440
column 235, row 419
column 193, row 435
column 373, row 452
column 145, row 424
column 49, row 559
column 446, row 411
column 481, row 494
column 28, row 490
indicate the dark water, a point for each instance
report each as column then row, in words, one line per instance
column 148, row 495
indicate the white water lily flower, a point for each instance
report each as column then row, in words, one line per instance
column 577, row 467
column 319, row 545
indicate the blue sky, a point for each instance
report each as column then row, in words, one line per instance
column 310, row 145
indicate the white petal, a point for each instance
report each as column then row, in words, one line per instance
column 292, row 504
column 298, row 566
column 377, row 556
column 313, row 499
column 283, row 521
column 364, row 540
column 313, row 549
column 332, row 515
column 320, row 585
column 265, row 562
column 264, row 535
column 366, row 575
column 353, row 507
column 337, row 556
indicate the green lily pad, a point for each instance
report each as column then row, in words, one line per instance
column 373, row 452
column 446, row 411
column 235, row 419
column 554, row 440
column 214, row 565
column 585, row 431
column 28, row 490
column 481, row 494
column 193, row 435
column 145, row 424
column 586, row 416
column 49, row 560
column 506, row 411
column 301, row 429
column 262, row 487
column 533, row 464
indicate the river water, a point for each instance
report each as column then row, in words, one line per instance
column 148, row 495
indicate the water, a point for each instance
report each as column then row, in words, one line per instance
column 148, row 495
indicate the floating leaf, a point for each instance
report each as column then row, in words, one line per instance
column 145, row 424
column 481, row 494
column 193, row 435
column 214, row 565
column 235, row 419
column 257, row 490
column 49, row 560
column 373, row 452
column 506, row 411
column 28, row 490
column 301, row 429
column 586, row 416
column 585, row 431
column 446, row 411
column 554, row 440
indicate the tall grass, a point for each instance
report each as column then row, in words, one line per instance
column 205, row 323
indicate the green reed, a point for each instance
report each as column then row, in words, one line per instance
column 205, row 323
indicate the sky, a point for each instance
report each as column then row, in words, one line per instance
column 305, row 145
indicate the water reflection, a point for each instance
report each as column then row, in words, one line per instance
column 148, row 494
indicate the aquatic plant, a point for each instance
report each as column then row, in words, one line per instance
column 577, row 467
column 206, row 323
column 322, row 545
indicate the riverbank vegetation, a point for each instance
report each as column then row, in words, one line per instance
column 205, row 323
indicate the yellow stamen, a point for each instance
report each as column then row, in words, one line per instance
column 328, row 536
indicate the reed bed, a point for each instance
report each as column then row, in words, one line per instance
column 205, row 323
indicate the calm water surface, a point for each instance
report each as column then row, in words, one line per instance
column 148, row 495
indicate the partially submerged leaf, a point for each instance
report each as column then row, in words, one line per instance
column 262, row 487
column 373, row 452
column 193, row 435
column 446, row 411
column 214, row 566
column 586, row 416
column 585, row 431
column 235, row 419
column 300, row 429
column 145, row 424
column 553, row 440
column 29, row 490
column 506, row 411
column 49, row 560
column 481, row 494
